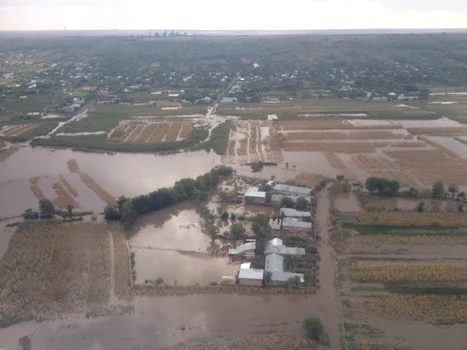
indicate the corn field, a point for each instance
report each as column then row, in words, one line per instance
column 418, row 307
column 413, row 218
column 53, row 269
column 404, row 272
column 166, row 290
column 416, row 240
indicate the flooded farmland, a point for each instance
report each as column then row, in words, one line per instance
column 431, row 204
column 119, row 174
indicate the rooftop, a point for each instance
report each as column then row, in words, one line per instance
column 294, row 213
column 255, row 193
column 304, row 191
column 289, row 222
column 275, row 246
column 274, row 262
column 252, row 274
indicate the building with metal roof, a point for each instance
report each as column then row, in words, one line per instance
column 244, row 249
column 288, row 212
column 276, row 198
column 289, row 223
column 250, row 277
column 253, row 195
column 292, row 190
column 276, row 246
column 275, row 265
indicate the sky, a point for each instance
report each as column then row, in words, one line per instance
column 228, row 15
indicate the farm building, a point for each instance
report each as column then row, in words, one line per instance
column 291, row 190
column 277, row 198
column 250, row 277
column 253, row 195
column 289, row 223
column 276, row 246
column 244, row 250
column 287, row 212
column 274, row 265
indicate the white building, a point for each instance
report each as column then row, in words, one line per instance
column 291, row 190
column 250, row 277
column 253, row 195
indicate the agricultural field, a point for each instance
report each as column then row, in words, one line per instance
column 150, row 132
column 252, row 141
column 108, row 117
column 72, row 271
column 405, row 268
column 332, row 108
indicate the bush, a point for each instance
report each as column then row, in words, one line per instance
column 315, row 330
column 225, row 216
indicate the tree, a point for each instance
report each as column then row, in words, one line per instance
column 413, row 192
column 128, row 212
column 437, row 189
column 111, row 212
column 340, row 178
column 372, row 184
column 70, row 208
column 268, row 197
column 453, row 189
column 421, row 206
column 460, row 207
column 29, row 214
column 225, row 216
column 302, row 203
column 260, row 226
column 47, row 208
column 267, row 278
column 315, row 330
column 237, row 230
column 461, row 195
column 393, row 187
column 287, row 202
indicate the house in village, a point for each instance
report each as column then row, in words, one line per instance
column 273, row 270
column 254, row 196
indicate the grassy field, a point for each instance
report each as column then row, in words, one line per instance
column 33, row 103
column 303, row 108
column 42, row 129
column 219, row 140
column 98, row 143
column 106, row 117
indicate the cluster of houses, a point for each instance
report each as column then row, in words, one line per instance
column 275, row 251
column 73, row 106
column 273, row 272
column 276, row 191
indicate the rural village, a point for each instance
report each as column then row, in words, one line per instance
column 193, row 192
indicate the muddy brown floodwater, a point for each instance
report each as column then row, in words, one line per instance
column 119, row 174
column 347, row 202
column 391, row 203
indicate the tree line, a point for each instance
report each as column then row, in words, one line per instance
column 128, row 209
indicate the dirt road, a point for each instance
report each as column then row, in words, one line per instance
column 330, row 308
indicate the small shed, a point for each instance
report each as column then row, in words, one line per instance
column 251, row 277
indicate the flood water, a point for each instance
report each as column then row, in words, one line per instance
column 170, row 244
column 156, row 322
column 119, row 174
column 347, row 202
column 390, row 203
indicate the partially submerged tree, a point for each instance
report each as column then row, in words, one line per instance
column 128, row 213
column 47, row 208
column 453, row 189
column 70, row 208
column 111, row 212
column 315, row 330
column 437, row 189
column 237, row 230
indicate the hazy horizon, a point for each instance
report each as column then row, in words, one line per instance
column 242, row 15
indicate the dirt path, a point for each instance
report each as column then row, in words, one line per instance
column 330, row 309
